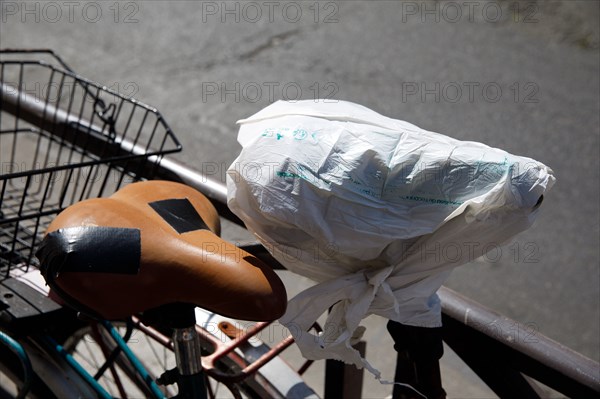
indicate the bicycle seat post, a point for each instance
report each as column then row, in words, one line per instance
column 186, row 345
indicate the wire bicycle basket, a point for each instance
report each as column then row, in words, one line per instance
column 63, row 139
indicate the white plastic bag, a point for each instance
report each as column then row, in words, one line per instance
column 377, row 210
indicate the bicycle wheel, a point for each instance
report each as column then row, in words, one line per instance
column 275, row 380
column 51, row 376
column 93, row 348
column 12, row 378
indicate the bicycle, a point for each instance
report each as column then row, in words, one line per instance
column 65, row 140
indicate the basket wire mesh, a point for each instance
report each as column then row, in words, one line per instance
column 64, row 139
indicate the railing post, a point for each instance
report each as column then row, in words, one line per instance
column 419, row 350
column 344, row 381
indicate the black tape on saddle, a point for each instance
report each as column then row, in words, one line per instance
column 88, row 249
column 95, row 249
column 180, row 214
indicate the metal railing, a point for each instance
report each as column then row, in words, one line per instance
column 484, row 339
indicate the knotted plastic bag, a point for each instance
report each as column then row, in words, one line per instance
column 377, row 210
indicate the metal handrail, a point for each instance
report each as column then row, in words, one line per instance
column 540, row 357
column 475, row 332
column 495, row 346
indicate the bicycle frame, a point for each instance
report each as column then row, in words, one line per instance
column 112, row 344
column 567, row 372
column 58, row 351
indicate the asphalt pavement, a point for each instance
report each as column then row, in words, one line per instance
column 519, row 75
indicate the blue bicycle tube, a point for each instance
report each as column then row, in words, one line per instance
column 18, row 350
column 80, row 370
column 139, row 367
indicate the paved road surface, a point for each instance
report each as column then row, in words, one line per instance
column 521, row 76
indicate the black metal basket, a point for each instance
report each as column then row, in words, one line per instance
column 63, row 139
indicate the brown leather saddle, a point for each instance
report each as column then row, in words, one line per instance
column 154, row 243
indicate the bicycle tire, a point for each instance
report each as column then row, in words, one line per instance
column 52, row 376
column 11, row 378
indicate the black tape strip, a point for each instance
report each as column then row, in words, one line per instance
column 90, row 249
column 180, row 214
